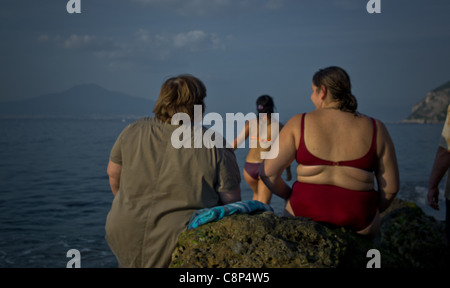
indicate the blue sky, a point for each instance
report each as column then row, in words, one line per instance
column 239, row 48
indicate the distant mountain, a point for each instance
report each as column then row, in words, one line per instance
column 433, row 108
column 88, row 100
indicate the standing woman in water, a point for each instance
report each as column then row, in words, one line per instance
column 260, row 142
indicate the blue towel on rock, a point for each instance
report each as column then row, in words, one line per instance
column 207, row 215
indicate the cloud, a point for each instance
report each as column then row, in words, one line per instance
column 43, row 38
column 189, row 39
column 77, row 41
column 193, row 41
column 198, row 40
column 142, row 48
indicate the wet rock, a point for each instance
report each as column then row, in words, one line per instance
column 408, row 238
column 417, row 239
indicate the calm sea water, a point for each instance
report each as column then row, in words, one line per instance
column 55, row 195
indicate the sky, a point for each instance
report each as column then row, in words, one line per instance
column 240, row 49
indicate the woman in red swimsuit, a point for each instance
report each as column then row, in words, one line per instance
column 340, row 153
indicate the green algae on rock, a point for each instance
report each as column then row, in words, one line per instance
column 408, row 238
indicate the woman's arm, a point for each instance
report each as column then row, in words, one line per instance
column 114, row 171
column 230, row 196
column 440, row 167
column 271, row 169
column 387, row 174
column 242, row 136
column 288, row 169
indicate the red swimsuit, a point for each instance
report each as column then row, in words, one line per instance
column 333, row 204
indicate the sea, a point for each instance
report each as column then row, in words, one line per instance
column 55, row 194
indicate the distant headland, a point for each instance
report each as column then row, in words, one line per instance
column 433, row 108
column 81, row 101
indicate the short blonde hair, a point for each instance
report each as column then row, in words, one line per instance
column 179, row 94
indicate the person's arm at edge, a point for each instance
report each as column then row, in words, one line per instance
column 241, row 137
column 229, row 179
column 440, row 167
column 387, row 174
column 288, row 169
column 114, row 171
column 231, row 196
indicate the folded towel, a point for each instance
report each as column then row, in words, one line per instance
column 207, row 215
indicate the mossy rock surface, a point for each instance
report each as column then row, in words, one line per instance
column 408, row 238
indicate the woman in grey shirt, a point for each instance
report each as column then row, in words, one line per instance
column 158, row 187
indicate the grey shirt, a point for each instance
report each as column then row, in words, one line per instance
column 160, row 188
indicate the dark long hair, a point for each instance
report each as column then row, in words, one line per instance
column 337, row 82
column 265, row 104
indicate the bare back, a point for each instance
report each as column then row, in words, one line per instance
column 260, row 138
column 336, row 136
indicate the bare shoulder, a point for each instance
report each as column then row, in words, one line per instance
column 294, row 122
column 291, row 129
column 384, row 140
column 381, row 128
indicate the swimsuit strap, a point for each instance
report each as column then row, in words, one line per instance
column 365, row 162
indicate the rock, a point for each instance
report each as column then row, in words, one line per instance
column 408, row 238
column 414, row 237
column 433, row 108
